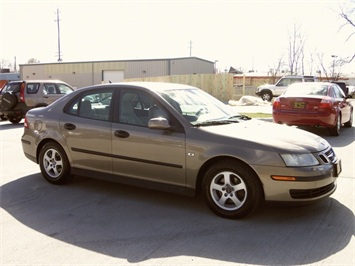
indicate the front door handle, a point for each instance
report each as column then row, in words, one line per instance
column 121, row 134
column 69, row 126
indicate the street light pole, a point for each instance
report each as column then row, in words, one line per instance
column 334, row 56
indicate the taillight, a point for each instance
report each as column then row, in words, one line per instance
column 25, row 124
column 276, row 104
column 325, row 104
column 22, row 93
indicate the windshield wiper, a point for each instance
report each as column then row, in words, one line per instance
column 214, row 123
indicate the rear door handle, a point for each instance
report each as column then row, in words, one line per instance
column 121, row 134
column 69, row 126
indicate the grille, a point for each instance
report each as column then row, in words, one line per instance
column 311, row 193
column 328, row 156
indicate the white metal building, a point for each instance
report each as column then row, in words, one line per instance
column 81, row 74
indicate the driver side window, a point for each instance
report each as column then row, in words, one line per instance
column 137, row 108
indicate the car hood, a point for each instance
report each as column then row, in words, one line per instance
column 259, row 134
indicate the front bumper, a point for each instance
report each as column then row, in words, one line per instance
column 311, row 183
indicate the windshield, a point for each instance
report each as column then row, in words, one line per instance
column 197, row 106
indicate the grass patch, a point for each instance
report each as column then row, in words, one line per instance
column 257, row 115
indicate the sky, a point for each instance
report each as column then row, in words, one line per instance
column 244, row 34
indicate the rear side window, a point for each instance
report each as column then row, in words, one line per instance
column 12, row 87
column 288, row 81
column 309, row 80
column 32, row 88
column 50, row 88
column 92, row 105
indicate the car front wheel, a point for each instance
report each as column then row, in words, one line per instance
column 54, row 164
column 266, row 96
column 231, row 189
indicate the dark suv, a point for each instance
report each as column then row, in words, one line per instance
column 17, row 97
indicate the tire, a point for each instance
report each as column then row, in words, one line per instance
column 350, row 122
column 54, row 164
column 3, row 117
column 335, row 131
column 231, row 189
column 9, row 101
column 266, row 96
column 15, row 120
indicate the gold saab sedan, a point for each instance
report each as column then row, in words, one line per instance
column 180, row 139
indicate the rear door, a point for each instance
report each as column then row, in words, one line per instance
column 86, row 128
column 51, row 92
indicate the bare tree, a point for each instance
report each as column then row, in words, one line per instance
column 347, row 13
column 32, row 61
column 5, row 64
column 295, row 49
column 276, row 69
column 332, row 71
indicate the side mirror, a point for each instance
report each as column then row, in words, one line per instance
column 158, row 123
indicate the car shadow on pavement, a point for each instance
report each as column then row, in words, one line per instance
column 138, row 224
column 5, row 125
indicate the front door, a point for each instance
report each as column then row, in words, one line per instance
column 143, row 153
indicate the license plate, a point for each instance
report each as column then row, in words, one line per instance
column 299, row 105
column 337, row 169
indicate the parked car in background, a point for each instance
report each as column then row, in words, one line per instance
column 17, row 97
column 351, row 91
column 178, row 138
column 267, row 92
column 342, row 86
column 314, row 104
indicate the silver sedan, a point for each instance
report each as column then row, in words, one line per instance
column 179, row 139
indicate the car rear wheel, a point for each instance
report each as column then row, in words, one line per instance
column 231, row 189
column 54, row 164
column 350, row 122
column 335, row 131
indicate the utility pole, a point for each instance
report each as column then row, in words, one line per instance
column 59, row 52
column 190, row 46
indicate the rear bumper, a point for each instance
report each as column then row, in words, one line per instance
column 20, row 111
column 296, row 119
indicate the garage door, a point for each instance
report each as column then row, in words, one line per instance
column 113, row 76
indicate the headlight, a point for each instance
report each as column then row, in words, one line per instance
column 299, row 159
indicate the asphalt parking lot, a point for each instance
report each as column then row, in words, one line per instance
column 93, row 222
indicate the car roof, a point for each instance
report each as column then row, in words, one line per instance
column 317, row 83
column 153, row 86
column 38, row 81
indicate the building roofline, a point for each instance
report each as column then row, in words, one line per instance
column 108, row 61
